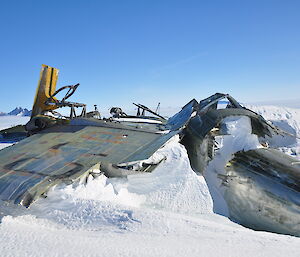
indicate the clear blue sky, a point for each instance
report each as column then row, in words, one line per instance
column 151, row 51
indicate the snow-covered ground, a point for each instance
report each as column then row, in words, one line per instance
column 10, row 121
column 165, row 213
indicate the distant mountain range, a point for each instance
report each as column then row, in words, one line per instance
column 18, row 111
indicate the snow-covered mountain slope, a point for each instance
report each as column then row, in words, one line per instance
column 18, row 111
column 164, row 213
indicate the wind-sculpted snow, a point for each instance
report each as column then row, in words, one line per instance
column 288, row 120
column 164, row 213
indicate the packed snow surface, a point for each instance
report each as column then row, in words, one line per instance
column 165, row 213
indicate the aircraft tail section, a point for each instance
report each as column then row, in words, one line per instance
column 46, row 88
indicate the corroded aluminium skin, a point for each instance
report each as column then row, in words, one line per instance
column 260, row 187
column 68, row 152
column 63, row 153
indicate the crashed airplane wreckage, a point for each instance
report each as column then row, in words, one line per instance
column 260, row 187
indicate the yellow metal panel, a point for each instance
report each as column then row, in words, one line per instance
column 46, row 88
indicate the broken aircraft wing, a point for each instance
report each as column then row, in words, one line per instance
column 70, row 152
